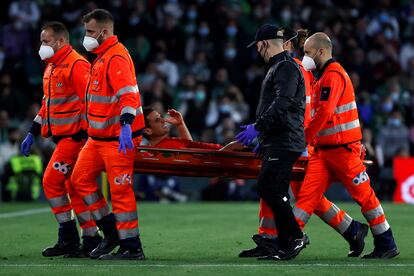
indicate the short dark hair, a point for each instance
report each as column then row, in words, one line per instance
column 147, row 111
column 100, row 15
column 57, row 27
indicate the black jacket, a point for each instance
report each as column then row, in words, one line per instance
column 281, row 108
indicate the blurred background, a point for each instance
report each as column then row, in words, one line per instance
column 192, row 56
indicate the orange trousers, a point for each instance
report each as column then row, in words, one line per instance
column 325, row 209
column 96, row 157
column 343, row 163
column 59, row 190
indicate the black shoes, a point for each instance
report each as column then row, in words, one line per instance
column 254, row 253
column 105, row 247
column 382, row 254
column 124, row 254
column 84, row 251
column 291, row 251
column 356, row 246
column 265, row 247
column 61, row 248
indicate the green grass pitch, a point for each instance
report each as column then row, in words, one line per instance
column 199, row 239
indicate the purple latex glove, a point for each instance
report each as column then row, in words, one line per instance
column 247, row 135
column 125, row 139
column 26, row 144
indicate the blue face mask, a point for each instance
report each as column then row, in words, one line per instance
column 230, row 53
column 231, row 31
column 203, row 31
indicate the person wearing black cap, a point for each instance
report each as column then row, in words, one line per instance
column 280, row 134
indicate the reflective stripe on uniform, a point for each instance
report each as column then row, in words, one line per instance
column 126, row 216
column 62, row 121
column 128, row 233
column 105, row 124
column 374, row 213
column 345, row 223
column 380, row 228
column 345, row 107
column 301, row 214
column 331, row 213
column 84, row 217
column 268, row 236
column 92, row 198
column 100, row 213
column 59, row 201
column 64, row 217
column 129, row 109
column 308, row 99
column 339, row 128
column 38, row 119
column 267, row 223
column 63, row 100
column 127, row 89
column 89, row 231
column 102, row 99
column 112, row 99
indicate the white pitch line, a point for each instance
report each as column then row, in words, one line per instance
column 276, row 264
column 24, row 213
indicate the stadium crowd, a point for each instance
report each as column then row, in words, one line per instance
column 192, row 56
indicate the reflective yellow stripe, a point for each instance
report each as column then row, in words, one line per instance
column 339, row 128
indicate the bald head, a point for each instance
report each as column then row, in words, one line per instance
column 319, row 47
column 320, row 41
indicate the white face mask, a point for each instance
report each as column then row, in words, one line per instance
column 90, row 43
column 308, row 63
column 46, row 51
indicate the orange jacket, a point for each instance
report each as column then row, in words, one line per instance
column 334, row 111
column 308, row 77
column 64, row 85
column 113, row 94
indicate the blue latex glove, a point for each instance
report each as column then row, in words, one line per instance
column 26, row 144
column 125, row 139
column 247, row 135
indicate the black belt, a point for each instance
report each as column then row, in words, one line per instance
column 346, row 146
column 78, row 136
column 111, row 139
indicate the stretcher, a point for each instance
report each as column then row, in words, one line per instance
column 206, row 163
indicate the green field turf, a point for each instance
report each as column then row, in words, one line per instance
column 199, row 239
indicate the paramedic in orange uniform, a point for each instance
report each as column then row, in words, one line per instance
column 115, row 124
column 60, row 117
column 353, row 231
column 335, row 133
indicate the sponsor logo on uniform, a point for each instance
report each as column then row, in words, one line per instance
column 62, row 167
column 360, row 178
column 59, row 84
column 95, row 82
column 123, row 179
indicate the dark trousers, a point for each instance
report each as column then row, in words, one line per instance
column 273, row 187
